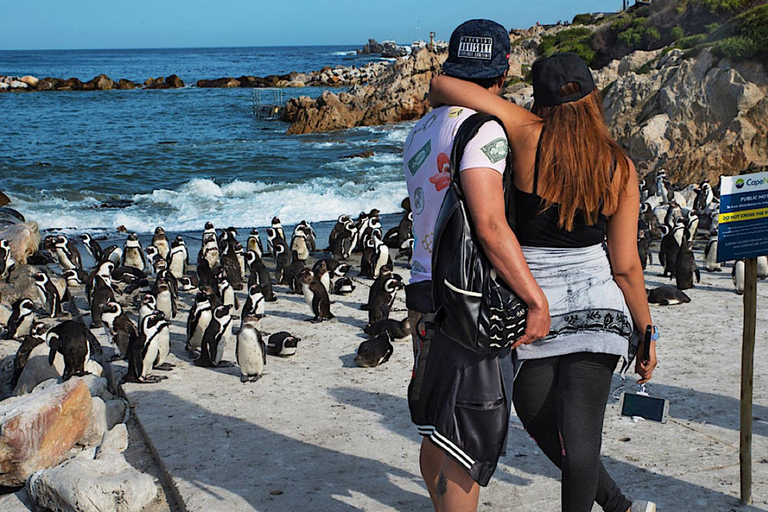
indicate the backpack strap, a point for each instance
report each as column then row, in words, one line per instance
column 466, row 132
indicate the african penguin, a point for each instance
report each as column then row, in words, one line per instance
column 278, row 227
column 49, row 294
column 250, row 350
column 685, row 267
column 316, row 297
column 398, row 331
column 188, row 284
column 381, row 256
column 737, row 276
column 148, row 306
column 668, row 251
column 710, row 254
column 282, row 344
column 666, row 295
column 92, row 246
column 254, row 243
column 67, row 253
column 133, row 254
column 165, row 302
column 112, row 253
column 226, row 292
column 260, row 275
column 119, row 327
column 375, row 351
column 75, row 277
column 381, row 298
column 282, row 262
column 75, row 343
column 147, row 349
column 212, row 347
column 7, row 262
column 34, row 338
column 160, row 241
column 21, row 320
column 197, row 321
column 178, row 260
column 230, row 263
column 343, row 286
column 209, row 251
column 254, row 304
column 299, row 244
column 762, row 267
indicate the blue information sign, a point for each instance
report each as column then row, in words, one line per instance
column 743, row 230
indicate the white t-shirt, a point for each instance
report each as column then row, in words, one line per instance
column 426, row 161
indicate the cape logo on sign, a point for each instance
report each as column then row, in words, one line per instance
column 739, row 183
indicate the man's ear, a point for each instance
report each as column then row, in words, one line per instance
column 503, row 79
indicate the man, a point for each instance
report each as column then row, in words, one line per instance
column 458, row 399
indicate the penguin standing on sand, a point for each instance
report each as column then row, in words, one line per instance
column 67, row 253
column 299, row 244
column 278, row 227
column 209, row 251
column 230, row 263
column 75, row 343
column 177, row 260
column 762, row 267
column 212, row 348
column 644, row 247
column 21, row 320
column 164, row 299
column 251, row 351
column 226, row 292
column 197, row 322
column 92, row 246
column 710, row 254
column 240, row 253
column 35, row 337
column 167, row 276
column 210, row 230
column 120, row 327
column 381, row 256
column 101, row 294
column 133, row 254
column 205, row 276
column 337, row 235
column 254, row 305
column 148, row 306
column 49, row 294
column 316, row 297
column 161, row 242
column 7, row 262
column 737, row 276
column 321, row 272
column 260, row 276
column 310, row 234
column 685, row 267
column 254, row 243
column 292, row 272
column 282, row 344
column 381, row 299
column 104, row 272
column 282, row 262
column 668, row 251
column 367, row 259
column 146, row 350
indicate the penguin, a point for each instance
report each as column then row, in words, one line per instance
column 375, row 351
column 7, row 263
column 343, row 286
column 49, row 294
column 282, row 262
column 349, row 241
column 21, row 320
column 644, row 247
column 75, row 277
column 316, row 297
column 205, row 276
column 737, row 276
column 177, row 260
column 668, row 251
column 381, row 298
column 240, row 252
column 152, row 259
column 254, row 243
column 112, row 253
column 260, row 276
column 685, row 266
column 651, row 220
column 406, row 251
column 337, row 235
column 92, row 246
column 299, row 244
column 142, row 285
column 292, row 273
column 762, row 267
column 226, row 292
column 691, row 224
column 133, row 255
column 209, row 251
column 120, row 328
column 367, row 259
column 148, row 306
column 228, row 236
column 278, row 227
column 35, row 337
column 282, row 344
column 322, row 274
column 398, row 331
column 273, row 238
column 101, row 295
column 661, row 187
column 251, row 351
column 67, row 253
column 212, row 347
column 179, row 241
column 104, row 272
column 165, row 302
column 75, row 343
column 146, row 349
column 372, row 230
column 197, row 321
column 230, row 264
column 254, row 305
column 381, row 256
column 188, row 284
column 171, row 280
column 666, row 295
column 161, row 242
column 126, row 275
column 310, row 234
column 210, row 230
column 710, row 254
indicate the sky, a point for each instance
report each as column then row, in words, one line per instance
column 95, row 24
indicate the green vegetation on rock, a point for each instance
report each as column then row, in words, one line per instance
column 576, row 40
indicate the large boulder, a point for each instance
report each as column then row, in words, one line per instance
column 37, row 371
column 24, row 238
column 174, row 82
column 102, row 83
column 38, row 430
column 4, row 199
column 125, row 85
column 227, row 82
column 31, row 81
column 48, row 84
column 84, row 484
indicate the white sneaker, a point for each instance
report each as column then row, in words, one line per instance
column 643, row 506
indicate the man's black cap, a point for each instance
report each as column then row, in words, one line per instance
column 551, row 73
column 478, row 49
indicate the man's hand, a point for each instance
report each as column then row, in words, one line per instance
column 536, row 326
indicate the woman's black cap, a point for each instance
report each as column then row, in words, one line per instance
column 552, row 73
column 478, row 49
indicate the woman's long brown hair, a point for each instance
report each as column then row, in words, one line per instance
column 579, row 160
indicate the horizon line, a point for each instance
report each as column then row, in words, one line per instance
column 357, row 45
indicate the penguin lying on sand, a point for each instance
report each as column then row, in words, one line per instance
column 666, row 295
column 375, row 351
column 282, row 344
column 398, row 331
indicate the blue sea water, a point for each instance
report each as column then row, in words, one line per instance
column 182, row 157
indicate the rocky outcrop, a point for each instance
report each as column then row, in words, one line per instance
column 24, row 238
column 696, row 117
column 38, row 430
column 399, row 94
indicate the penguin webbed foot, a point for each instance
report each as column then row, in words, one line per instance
column 165, row 367
column 151, row 379
column 315, row 320
column 114, row 357
column 225, row 364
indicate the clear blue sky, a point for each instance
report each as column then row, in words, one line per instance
column 70, row 24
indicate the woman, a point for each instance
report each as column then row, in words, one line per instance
column 575, row 189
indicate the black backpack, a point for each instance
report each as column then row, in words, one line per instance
column 473, row 306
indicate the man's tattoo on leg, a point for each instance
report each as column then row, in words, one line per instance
column 442, row 485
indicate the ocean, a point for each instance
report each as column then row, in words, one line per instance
column 179, row 158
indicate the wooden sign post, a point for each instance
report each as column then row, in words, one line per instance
column 743, row 234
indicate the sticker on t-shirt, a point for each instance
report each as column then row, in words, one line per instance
column 442, row 179
column 418, row 268
column 418, row 159
column 428, row 241
column 496, row 150
column 418, row 200
column 455, row 112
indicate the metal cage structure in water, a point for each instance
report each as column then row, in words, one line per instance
column 268, row 103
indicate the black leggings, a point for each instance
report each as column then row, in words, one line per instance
column 561, row 402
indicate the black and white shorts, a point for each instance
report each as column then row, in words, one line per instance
column 459, row 400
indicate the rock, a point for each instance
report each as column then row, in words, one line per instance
column 5, row 314
column 364, row 154
column 48, row 84
column 150, row 82
column 372, row 48
column 19, row 85
column 174, row 82
column 126, row 85
column 38, row 373
column 391, row 49
column 4, row 86
column 4, row 199
column 92, row 485
column 102, row 83
column 97, row 424
column 97, row 385
column 24, row 239
column 72, row 84
column 115, row 441
column 38, row 430
column 219, row 82
column 30, row 81
column 116, row 410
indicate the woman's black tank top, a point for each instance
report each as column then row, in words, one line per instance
column 537, row 227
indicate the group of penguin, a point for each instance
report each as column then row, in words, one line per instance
column 223, row 266
column 665, row 215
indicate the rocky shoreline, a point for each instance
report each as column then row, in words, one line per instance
column 339, row 76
